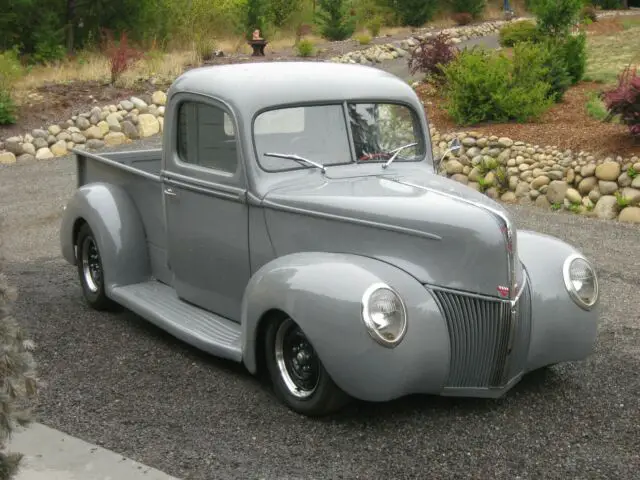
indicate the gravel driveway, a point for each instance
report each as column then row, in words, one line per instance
column 114, row 380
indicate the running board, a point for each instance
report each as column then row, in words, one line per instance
column 160, row 305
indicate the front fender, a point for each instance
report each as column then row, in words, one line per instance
column 322, row 292
column 561, row 331
column 118, row 228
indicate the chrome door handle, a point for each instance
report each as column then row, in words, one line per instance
column 169, row 191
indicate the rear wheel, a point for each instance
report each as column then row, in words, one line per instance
column 90, row 270
column 297, row 374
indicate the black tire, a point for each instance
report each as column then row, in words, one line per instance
column 90, row 271
column 317, row 395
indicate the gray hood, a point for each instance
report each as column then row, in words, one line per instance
column 436, row 229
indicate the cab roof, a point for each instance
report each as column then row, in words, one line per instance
column 255, row 86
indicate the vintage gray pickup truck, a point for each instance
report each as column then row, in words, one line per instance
column 294, row 221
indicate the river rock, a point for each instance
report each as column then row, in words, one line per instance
column 44, row 154
column 632, row 195
column 608, row 170
column 159, row 98
column 587, row 184
column 630, row 215
column 59, row 148
column 573, row 195
column 607, row 187
column 556, row 191
column 539, row 182
column 94, row 132
column 94, row 143
column 114, row 138
column 28, row 148
column 7, row 158
column 148, row 125
column 606, row 207
column 130, row 130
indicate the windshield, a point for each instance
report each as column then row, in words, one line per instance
column 320, row 133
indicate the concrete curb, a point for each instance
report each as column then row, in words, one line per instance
column 53, row 455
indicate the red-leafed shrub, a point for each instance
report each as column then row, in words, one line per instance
column 431, row 55
column 462, row 18
column 121, row 55
column 624, row 100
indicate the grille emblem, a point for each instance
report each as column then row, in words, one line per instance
column 504, row 291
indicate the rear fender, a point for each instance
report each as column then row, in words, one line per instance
column 561, row 331
column 323, row 292
column 117, row 226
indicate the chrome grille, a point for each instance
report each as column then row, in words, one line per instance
column 479, row 329
column 522, row 334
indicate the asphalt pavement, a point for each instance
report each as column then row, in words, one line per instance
column 118, row 382
column 398, row 66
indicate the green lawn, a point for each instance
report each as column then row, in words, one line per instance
column 609, row 54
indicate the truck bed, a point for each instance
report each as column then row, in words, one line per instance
column 138, row 173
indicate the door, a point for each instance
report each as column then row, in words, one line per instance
column 206, row 212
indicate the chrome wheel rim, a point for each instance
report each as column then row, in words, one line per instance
column 297, row 360
column 91, row 268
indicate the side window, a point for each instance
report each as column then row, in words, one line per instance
column 206, row 137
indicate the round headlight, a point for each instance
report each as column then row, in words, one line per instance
column 384, row 315
column 581, row 281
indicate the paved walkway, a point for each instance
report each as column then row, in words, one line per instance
column 54, row 455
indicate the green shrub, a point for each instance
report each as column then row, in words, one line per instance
column 415, row 13
column 335, row 21
column 10, row 71
column 556, row 17
column 374, row 25
column 364, row 39
column 545, row 61
column 575, row 55
column 596, row 108
column 474, row 7
column 516, row 32
column 486, row 86
column 7, row 109
column 305, row 48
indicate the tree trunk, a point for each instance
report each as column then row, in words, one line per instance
column 71, row 14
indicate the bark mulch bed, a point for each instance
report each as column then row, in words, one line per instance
column 566, row 125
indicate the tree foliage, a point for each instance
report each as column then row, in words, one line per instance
column 335, row 20
column 18, row 385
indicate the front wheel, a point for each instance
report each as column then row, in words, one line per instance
column 90, row 270
column 298, row 376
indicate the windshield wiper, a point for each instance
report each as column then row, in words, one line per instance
column 396, row 151
column 298, row 158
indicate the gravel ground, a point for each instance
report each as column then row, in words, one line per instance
column 117, row 381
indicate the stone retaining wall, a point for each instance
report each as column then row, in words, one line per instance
column 109, row 125
column 518, row 172
column 401, row 48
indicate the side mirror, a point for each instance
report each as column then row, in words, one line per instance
column 454, row 146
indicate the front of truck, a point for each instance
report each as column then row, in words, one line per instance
column 353, row 175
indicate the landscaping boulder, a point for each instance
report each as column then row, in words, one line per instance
column 608, row 170
column 630, row 215
column 147, row 125
column 606, row 207
column 7, row 158
column 44, row 154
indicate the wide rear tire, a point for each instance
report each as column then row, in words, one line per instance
column 91, row 272
column 298, row 377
